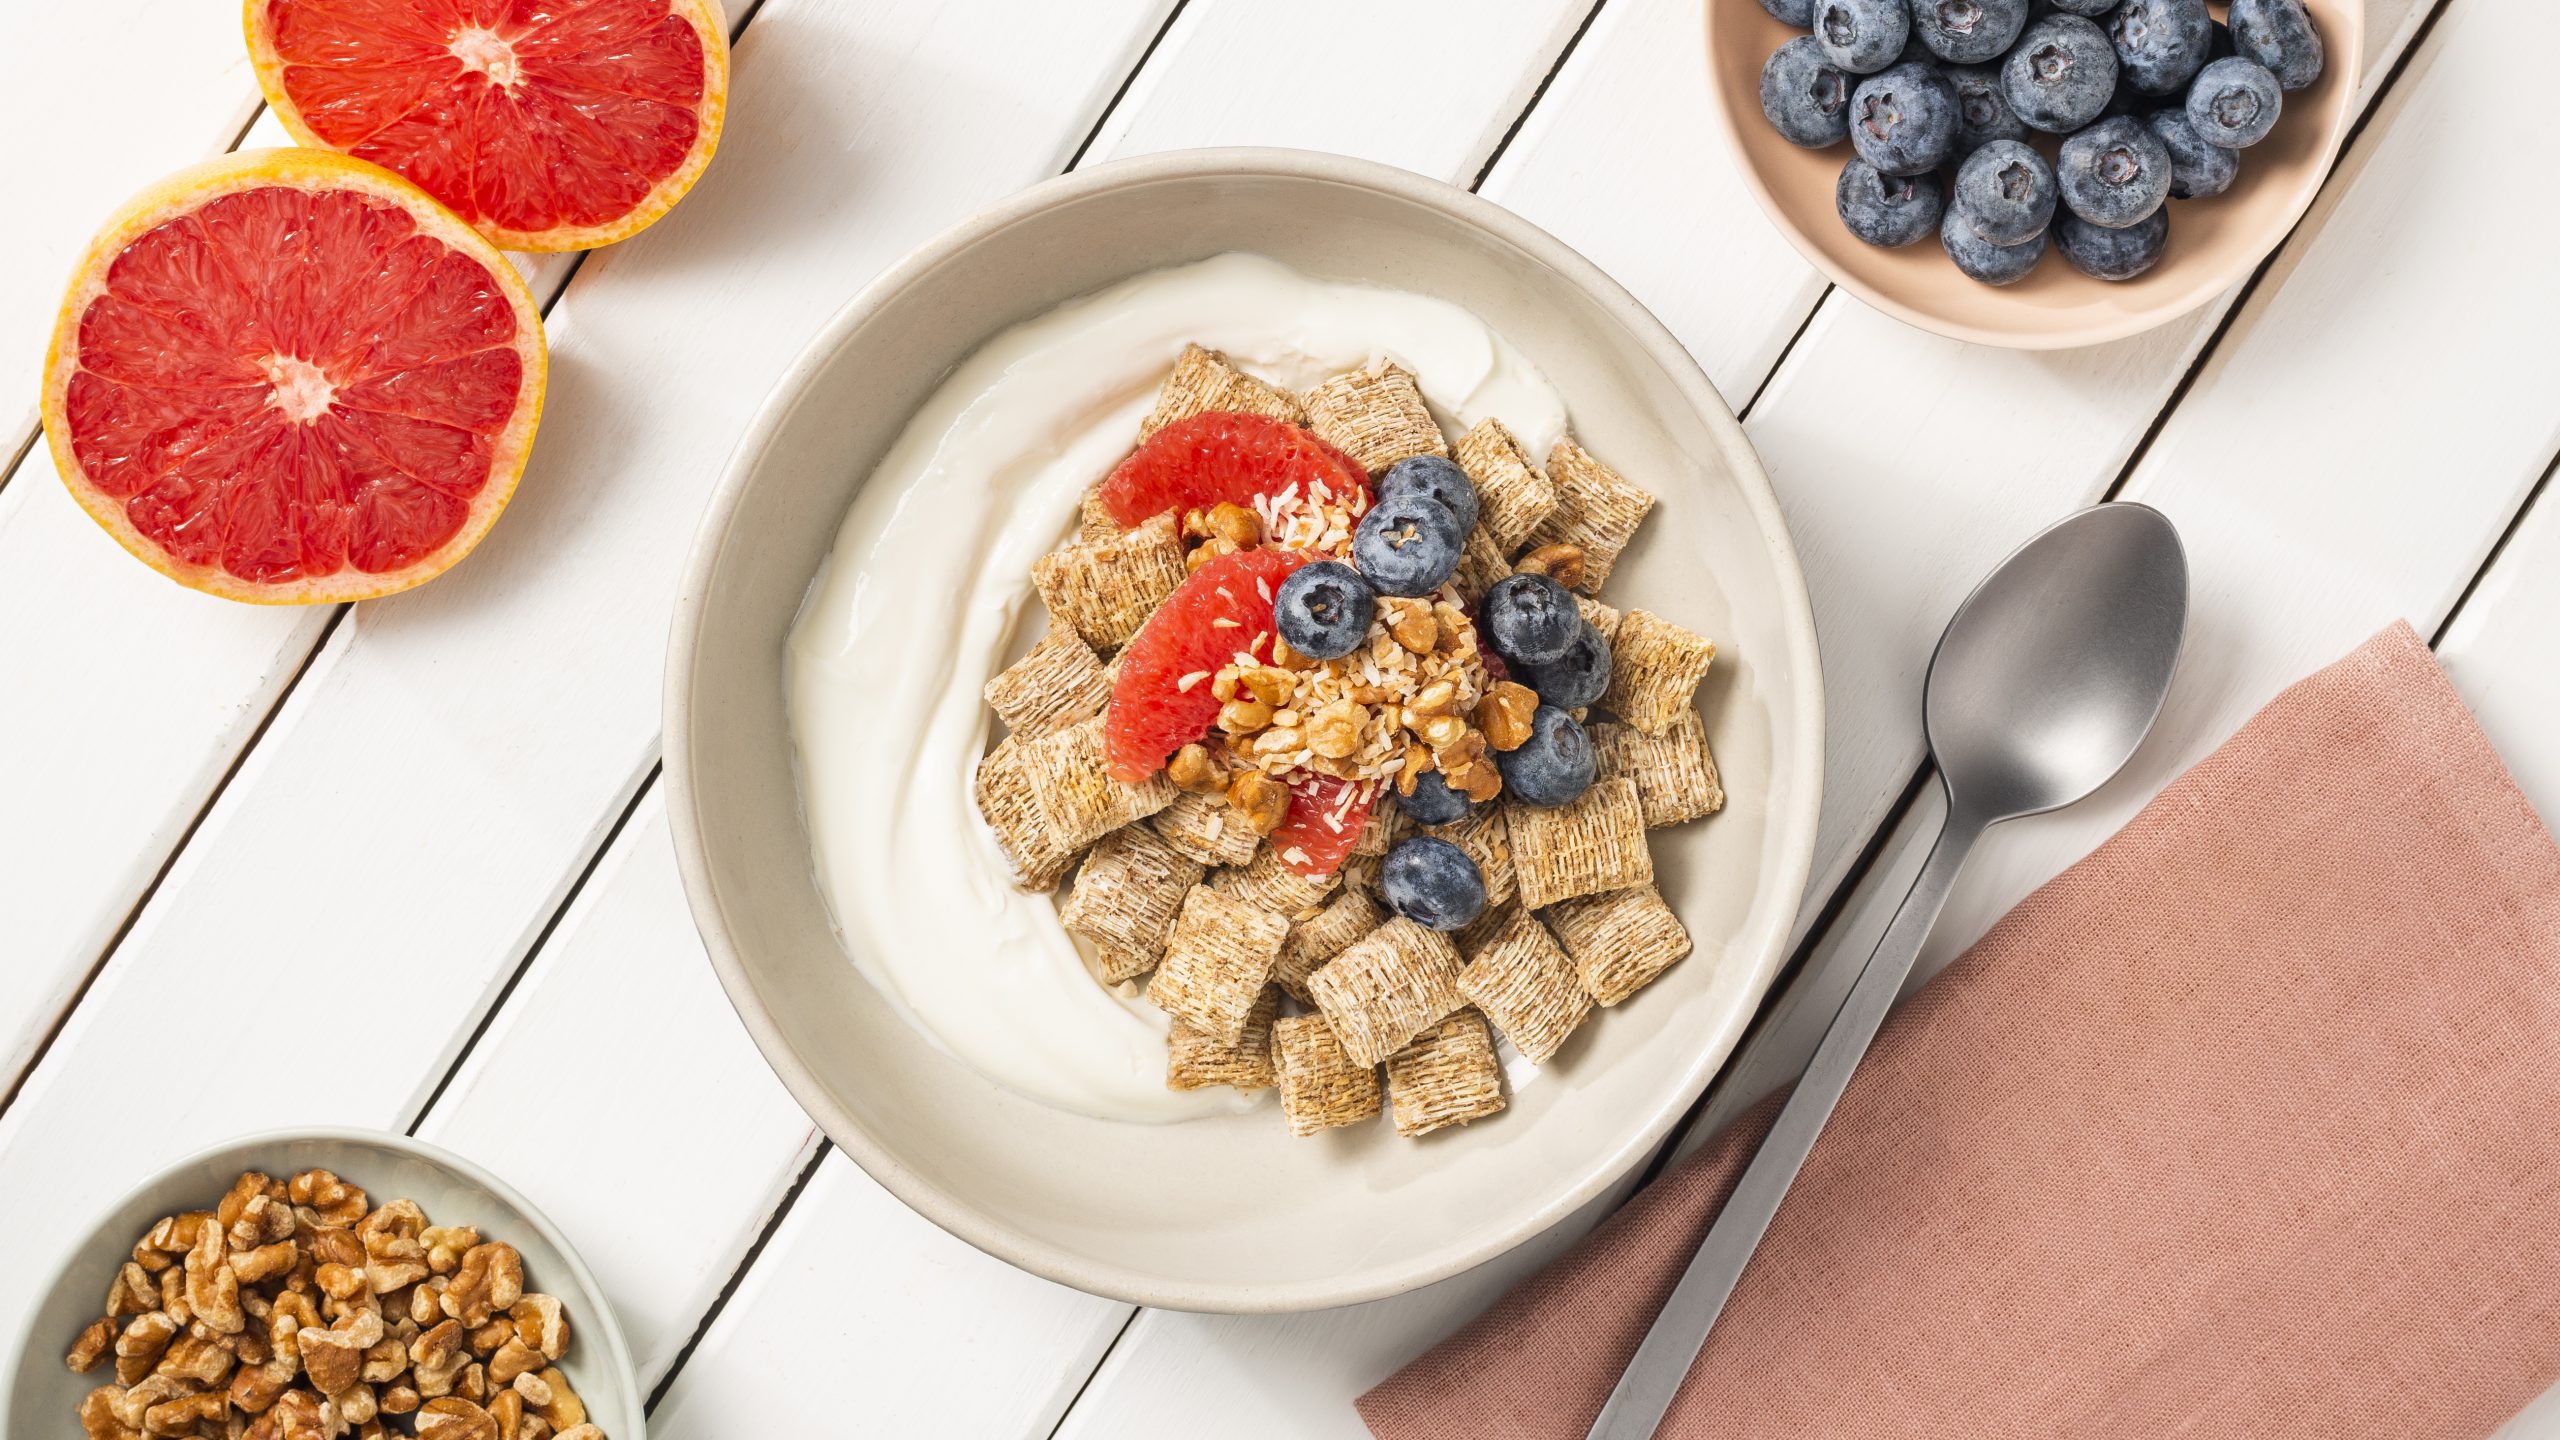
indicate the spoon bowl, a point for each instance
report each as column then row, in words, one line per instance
column 2054, row 668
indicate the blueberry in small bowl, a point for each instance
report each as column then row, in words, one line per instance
column 2115, row 173
column 1436, row 478
column 2234, row 103
column 1576, row 678
column 1805, row 96
column 2007, row 192
column 2081, row 7
column 2061, row 75
column 1554, row 765
column 1981, row 260
column 1433, row 802
column 1406, row 545
column 1904, row 121
column 1862, row 36
column 1982, row 108
column 2196, row 170
column 1323, row 609
column 1889, row 210
column 2161, row 44
column 1531, row 620
column 2279, row 35
column 2104, row 253
column 1967, row 32
column 1798, row 13
column 1432, row 883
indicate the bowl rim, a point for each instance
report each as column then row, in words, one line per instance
column 1790, row 858
column 597, row 1324
column 2198, row 293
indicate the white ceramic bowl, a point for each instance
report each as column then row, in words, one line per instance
column 40, row 1396
column 1232, row 1214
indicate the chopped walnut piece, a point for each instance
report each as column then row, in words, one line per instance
column 484, row 1339
column 213, row 1289
column 1262, row 801
column 1194, row 769
column 98, row 1417
column 535, row 1390
column 1504, row 715
column 394, row 1252
column 331, row 1359
column 512, row 1359
column 491, row 1279
column 180, row 1416
column 330, row 1200
column 132, row 1292
column 455, row 1419
column 565, row 1411
column 189, row 1357
column 1559, row 562
column 542, row 1323
column 580, row 1432
column 397, row 1399
column 146, row 1338
column 251, row 1267
column 446, row 1245
column 437, row 1359
column 91, row 1347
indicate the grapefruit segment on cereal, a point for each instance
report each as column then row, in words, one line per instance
column 1225, row 457
column 1163, row 698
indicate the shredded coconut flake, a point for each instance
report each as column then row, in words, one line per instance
column 1294, row 855
column 1186, row 682
column 1224, row 623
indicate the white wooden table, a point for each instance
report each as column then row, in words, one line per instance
column 434, row 821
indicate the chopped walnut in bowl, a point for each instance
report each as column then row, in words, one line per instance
column 263, row 1292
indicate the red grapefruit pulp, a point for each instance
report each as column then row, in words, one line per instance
column 548, row 124
column 1224, row 608
column 287, row 376
column 1324, row 821
column 1197, row 462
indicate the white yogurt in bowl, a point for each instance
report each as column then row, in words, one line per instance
column 924, row 597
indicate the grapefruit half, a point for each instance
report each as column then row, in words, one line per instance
column 290, row 377
column 548, row 124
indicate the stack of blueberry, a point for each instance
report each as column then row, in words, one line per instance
column 1407, row 545
column 2154, row 100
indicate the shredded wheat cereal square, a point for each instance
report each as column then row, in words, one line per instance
column 1093, row 519
column 1675, row 775
column 1206, row 828
column 1203, row 380
column 1057, row 683
column 1266, row 880
column 1125, row 897
column 1603, row 617
column 1377, row 417
column 1480, row 563
column 1315, row 941
column 1522, row 979
column 1486, row 838
column 1074, row 795
column 1216, row 962
column 1515, row 495
column 1387, row 988
column 1321, row 1086
column 1480, row 932
column 1593, row 844
column 1596, row 508
column 1196, row 1059
column 1105, row 589
column 1619, row 941
column 1447, row 1076
column 1386, row 825
column 1654, row 670
column 1007, row 799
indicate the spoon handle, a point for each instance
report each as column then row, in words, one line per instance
column 1653, row 1376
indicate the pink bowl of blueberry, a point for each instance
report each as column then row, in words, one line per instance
column 2035, row 174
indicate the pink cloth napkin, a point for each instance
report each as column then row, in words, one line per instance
column 2247, row 1124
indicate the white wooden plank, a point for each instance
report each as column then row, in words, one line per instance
column 149, row 692
column 1618, row 160
column 861, row 1318
column 2503, row 652
column 444, row 768
column 104, row 96
column 1431, row 85
column 610, row 1091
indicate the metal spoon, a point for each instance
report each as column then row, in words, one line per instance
column 2044, row 682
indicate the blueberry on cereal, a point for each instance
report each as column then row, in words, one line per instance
column 1433, row 802
column 1530, row 619
column 1407, row 545
column 1323, row 609
column 1578, row 677
column 1554, row 766
column 1432, row 883
column 1439, row 479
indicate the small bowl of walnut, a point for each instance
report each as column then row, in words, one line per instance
column 319, row 1284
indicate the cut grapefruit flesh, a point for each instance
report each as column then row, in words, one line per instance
column 290, row 377
column 1222, row 609
column 1224, row 456
column 1324, row 821
column 548, row 124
